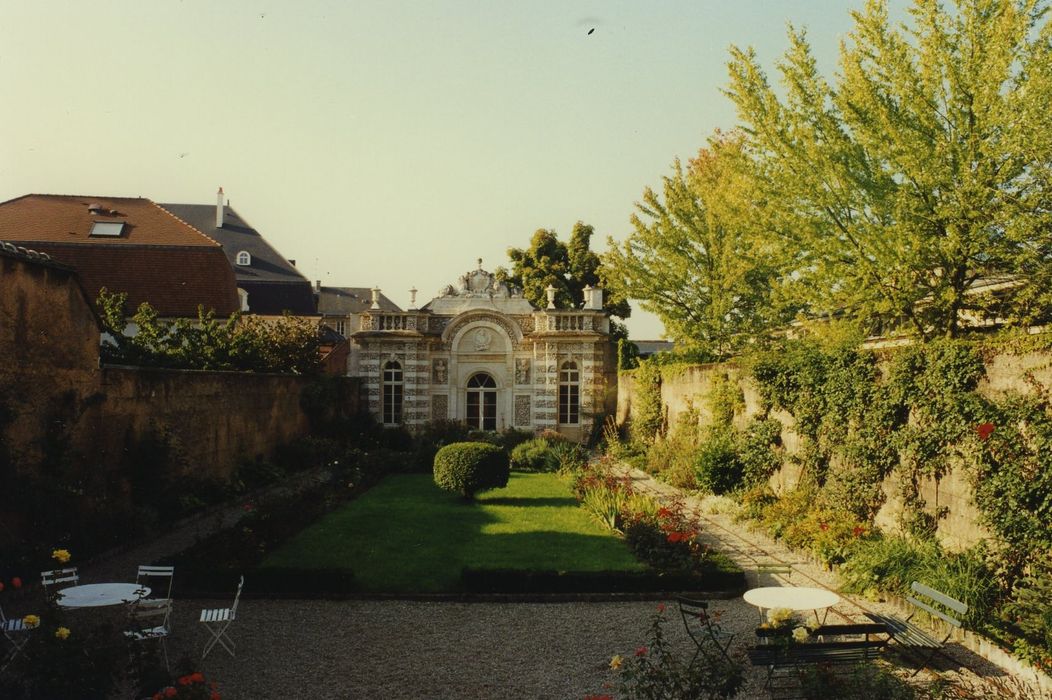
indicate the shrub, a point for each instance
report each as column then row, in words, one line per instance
column 718, row 466
column 1031, row 606
column 535, row 455
column 469, row 467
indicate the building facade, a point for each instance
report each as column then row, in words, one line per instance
column 481, row 354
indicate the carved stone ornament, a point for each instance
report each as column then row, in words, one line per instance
column 479, row 283
column 438, row 371
column 522, row 370
column 483, row 339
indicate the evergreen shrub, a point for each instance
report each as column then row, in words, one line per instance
column 718, row 466
column 469, row 467
column 534, row 455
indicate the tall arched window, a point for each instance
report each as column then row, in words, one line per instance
column 244, row 258
column 392, row 393
column 482, row 402
column 569, row 394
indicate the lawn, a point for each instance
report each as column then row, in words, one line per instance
column 407, row 536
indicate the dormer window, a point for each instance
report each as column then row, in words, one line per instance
column 243, row 258
column 107, row 229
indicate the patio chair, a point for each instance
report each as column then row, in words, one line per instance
column 773, row 568
column 151, row 619
column 147, row 575
column 16, row 632
column 707, row 636
column 218, row 620
column 56, row 577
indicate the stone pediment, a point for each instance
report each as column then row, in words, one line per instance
column 482, row 338
column 479, row 289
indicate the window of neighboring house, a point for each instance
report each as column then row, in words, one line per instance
column 243, row 258
column 340, row 326
column 392, row 393
column 482, row 402
column 569, row 394
column 107, row 229
column 242, row 297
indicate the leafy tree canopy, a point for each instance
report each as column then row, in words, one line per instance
column 922, row 172
column 569, row 267
column 697, row 257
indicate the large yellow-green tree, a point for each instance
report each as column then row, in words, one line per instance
column 922, row 171
column 698, row 256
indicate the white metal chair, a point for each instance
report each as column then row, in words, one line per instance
column 218, row 620
column 151, row 619
column 147, row 574
column 16, row 632
column 56, row 577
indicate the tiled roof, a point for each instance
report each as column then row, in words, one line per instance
column 158, row 258
column 57, row 218
column 340, row 301
column 275, row 298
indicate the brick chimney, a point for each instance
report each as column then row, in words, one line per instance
column 219, row 208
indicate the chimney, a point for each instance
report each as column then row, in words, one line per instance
column 219, row 208
column 317, row 286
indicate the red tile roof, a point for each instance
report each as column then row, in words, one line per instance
column 158, row 258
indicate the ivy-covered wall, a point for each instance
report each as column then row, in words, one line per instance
column 922, row 477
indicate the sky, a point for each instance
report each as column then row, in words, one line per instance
column 387, row 144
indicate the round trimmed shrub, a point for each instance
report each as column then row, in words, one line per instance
column 469, row 467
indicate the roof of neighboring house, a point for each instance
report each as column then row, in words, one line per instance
column 647, row 348
column 156, row 258
column 341, row 301
column 267, row 264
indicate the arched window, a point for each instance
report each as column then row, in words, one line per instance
column 392, row 393
column 569, row 394
column 243, row 258
column 482, row 402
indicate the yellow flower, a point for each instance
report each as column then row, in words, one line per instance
column 615, row 663
column 60, row 555
column 62, row 633
column 800, row 634
column 31, row 620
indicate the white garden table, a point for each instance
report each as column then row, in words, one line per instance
column 795, row 598
column 98, row 595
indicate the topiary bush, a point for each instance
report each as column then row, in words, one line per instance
column 469, row 467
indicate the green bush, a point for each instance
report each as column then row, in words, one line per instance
column 469, row 467
column 718, row 467
column 535, row 455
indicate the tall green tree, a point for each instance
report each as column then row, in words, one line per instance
column 569, row 267
column 696, row 257
column 923, row 170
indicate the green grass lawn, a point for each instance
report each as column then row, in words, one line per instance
column 406, row 535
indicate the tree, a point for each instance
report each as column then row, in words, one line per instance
column 569, row 267
column 923, row 170
column 696, row 258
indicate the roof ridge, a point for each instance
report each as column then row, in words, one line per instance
column 185, row 223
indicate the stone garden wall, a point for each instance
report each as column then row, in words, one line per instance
column 688, row 386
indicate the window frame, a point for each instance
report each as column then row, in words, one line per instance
column 243, row 258
column 569, row 399
column 392, row 393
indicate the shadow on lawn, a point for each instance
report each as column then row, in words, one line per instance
column 527, row 502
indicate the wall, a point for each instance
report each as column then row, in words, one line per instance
column 683, row 386
column 62, row 407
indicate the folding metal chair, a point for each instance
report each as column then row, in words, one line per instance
column 16, row 632
column 151, row 619
column 703, row 631
column 218, row 620
column 147, row 574
column 56, row 577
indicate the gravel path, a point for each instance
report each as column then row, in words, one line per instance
column 409, row 649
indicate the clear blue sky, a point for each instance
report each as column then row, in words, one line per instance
column 381, row 143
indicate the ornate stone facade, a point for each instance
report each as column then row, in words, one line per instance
column 480, row 353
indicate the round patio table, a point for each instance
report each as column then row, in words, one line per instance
column 97, row 595
column 795, row 598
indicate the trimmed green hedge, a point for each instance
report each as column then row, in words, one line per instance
column 469, row 467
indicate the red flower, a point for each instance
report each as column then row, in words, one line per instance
column 661, row 607
column 823, row 526
column 214, row 696
column 157, row 696
column 641, row 651
column 197, row 677
column 16, row 582
column 184, row 680
column 673, row 537
column 1, row 585
column 984, row 430
column 664, row 513
column 170, row 692
column 247, row 507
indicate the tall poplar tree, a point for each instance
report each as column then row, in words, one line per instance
column 697, row 257
column 921, row 173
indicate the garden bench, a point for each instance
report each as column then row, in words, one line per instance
column 840, row 644
column 912, row 638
